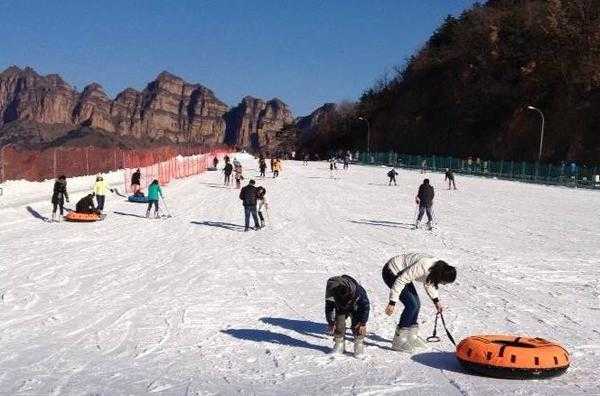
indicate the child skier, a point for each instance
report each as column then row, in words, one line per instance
column 154, row 192
column 424, row 199
column 392, row 175
column 237, row 170
column 59, row 195
column 345, row 297
column 262, row 202
column 450, row 178
column 399, row 273
column 276, row 167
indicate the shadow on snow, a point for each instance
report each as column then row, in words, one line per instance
column 36, row 214
column 220, row 224
column 439, row 360
column 129, row 214
column 382, row 223
column 273, row 338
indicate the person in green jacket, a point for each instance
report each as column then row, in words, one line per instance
column 154, row 192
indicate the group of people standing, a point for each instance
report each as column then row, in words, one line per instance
column 346, row 298
column 85, row 204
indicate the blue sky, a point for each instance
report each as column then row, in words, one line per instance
column 305, row 52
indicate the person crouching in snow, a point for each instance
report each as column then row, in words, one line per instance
column 345, row 297
column 399, row 273
column 154, row 192
column 86, row 205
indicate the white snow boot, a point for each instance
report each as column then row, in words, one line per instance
column 147, row 214
column 339, row 346
column 414, row 340
column 429, row 226
column 401, row 342
column 53, row 217
column 359, row 347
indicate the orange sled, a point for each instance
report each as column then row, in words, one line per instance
column 512, row 357
column 83, row 217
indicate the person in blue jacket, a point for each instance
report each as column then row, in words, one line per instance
column 154, row 192
column 345, row 297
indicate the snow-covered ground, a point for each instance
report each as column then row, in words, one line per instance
column 192, row 305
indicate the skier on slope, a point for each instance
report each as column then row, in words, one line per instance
column 346, row 162
column 154, row 193
column 215, row 162
column 276, row 167
column 424, row 199
column 135, row 182
column 262, row 202
column 86, row 205
column 392, row 175
column 262, row 166
column 237, row 170
column 399, row 273
column 249, row 197
column 450, row 177
column 59, row 195
column 227, row 170
column 344, row 297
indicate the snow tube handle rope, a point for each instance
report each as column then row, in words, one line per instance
column 434, row 337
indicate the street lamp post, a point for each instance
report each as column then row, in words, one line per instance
column 368, row 134
column 542, row 133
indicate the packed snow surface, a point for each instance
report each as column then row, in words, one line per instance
column 193, row 305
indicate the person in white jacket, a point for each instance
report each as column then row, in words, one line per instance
column 399, row 273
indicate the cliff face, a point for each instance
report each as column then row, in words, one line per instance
column 168, row 109
column 255, row 123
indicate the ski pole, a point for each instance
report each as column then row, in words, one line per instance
column 166, row 207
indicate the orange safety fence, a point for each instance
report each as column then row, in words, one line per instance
column 39, row 165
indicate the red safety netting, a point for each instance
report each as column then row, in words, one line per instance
column 163, row 163
column 173, row 168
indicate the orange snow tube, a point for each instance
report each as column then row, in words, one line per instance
column 83, row 217
column 512, row 357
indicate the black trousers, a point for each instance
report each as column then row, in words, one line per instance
column 424, row 209
column 100, row 200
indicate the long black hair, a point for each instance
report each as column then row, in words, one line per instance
column 441, row 272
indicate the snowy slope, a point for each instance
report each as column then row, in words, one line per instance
column 192, row 305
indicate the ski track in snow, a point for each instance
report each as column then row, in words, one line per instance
column 190, row 305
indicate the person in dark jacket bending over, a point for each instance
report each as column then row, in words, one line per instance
column 450, row 178
column 425, row 201
column 249, row 196
column 344, row 297
column 86, row 205
column 135, row 182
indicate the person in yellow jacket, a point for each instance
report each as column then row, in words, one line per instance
column 276, row 167
column 100, row 189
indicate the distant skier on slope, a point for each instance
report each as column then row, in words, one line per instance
column 86, row 205
column 344, row 297
column 424, row 199
column 215, row 162
column 59, row 195
column 237, row 170
column 227, row 170
column 346, row 162
column 249, row 197
column 399, row 273
column 276, row 167
column 392, row 175
column 262, row 202
column 450, row 178
column 154, row 193
column 262, row 166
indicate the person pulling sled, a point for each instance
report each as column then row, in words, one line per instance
column 399, row 274
column 345, row 297
column 59, row 195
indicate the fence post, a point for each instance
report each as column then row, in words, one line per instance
column 54, row 162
